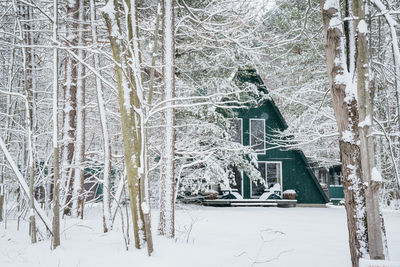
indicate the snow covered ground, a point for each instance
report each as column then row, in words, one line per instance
column 206, row 236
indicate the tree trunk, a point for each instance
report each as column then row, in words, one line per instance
column 24, row 20
column 29, row 123
column 130, row 92
column 352, row 95
column 107, row 218
column 134, row 56
column 345, row 108
column 365, row 110
column 56, row 168
column 396, row 63
column 70, row 106
column 79, row 158
column 167, row 204
column 146, row 178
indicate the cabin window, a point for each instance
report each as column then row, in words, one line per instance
column 257, row 135
column 336, row 179
column 236, row 127
column 271, row 172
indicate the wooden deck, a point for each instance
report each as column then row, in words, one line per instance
column 280, row 203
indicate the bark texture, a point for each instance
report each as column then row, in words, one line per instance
column 56, row 159
column 352, row 95
column 79, row 157
column 130, row 92
column 167, row 196
column 107, row 218
column 365, row 108
column 25, row 13
column 70, row 105
column 346, row 113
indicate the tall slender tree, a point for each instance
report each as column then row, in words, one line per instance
column 79, row 151
column 104, row 128
column 167, row 197
column 70, row 104
column 56, row 160
column 126, row 56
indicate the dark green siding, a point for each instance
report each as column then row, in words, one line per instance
column 336, row 191
column 296, row 173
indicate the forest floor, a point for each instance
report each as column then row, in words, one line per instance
column 205, row 236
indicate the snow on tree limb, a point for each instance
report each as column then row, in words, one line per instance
column 24, row 186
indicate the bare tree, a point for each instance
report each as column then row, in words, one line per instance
column 70, row 105
column 126, row 56
column 25, row 15
column 79, row 152
column 352, row 97
column 167, row 195
column 56, row 161
column 104, row 127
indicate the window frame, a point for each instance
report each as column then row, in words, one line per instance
column 266, row 178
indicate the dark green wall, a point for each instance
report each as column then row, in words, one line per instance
column 335, row 191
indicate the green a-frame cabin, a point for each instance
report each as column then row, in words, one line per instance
column 281, row 169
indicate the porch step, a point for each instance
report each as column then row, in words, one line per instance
column 282, row 203
column 249, row 204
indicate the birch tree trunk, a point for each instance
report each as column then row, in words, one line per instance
column 167, row 204
column 107, row 218
column 27, row 57
column 146, row 178
column 79, row 157
column 56, row 168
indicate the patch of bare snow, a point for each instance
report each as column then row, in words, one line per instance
column 375, row 175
